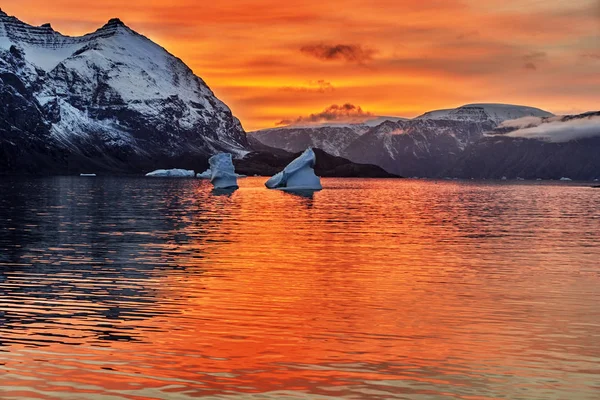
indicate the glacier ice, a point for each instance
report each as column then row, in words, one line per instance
column 222, row 171
column 298, row 175
column 172, row 173
column 204, row 175
column 208, row 174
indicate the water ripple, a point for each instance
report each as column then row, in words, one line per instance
column 126, row 288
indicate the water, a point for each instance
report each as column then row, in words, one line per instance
column 371, row 289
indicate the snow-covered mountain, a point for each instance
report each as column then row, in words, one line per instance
column 423, row 146
column 110, row 99
column 485, row 112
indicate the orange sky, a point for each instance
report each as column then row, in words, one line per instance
column 271, row 60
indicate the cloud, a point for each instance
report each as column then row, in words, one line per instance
column 320, row 86
column 555, row 129
column 468, row 35
column 533, row 59
column 591, row 56
column 351, row 53
column 348, row 113
column 519, row 123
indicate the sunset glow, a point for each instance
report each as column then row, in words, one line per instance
column 273, row 61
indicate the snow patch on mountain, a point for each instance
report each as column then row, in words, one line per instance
column 485, row 112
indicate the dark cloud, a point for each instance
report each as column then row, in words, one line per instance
column 530, row 66
column 334, row 113
column 468, row 35
column 533, row 59
column 320, row 86
column 351, row 53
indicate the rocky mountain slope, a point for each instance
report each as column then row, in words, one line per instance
column 330, row 137
column 109, row 100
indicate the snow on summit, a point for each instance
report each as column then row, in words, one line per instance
column 151, row 70
column 485, row 112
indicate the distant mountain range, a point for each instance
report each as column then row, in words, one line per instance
column 475, row 140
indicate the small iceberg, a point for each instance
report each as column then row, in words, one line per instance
column 565, row 179
column 171, row 173
column 88, row 175
column 298, row 175
column 504, row 178
column 204, row 175
column 208, row 174
column 222, row 171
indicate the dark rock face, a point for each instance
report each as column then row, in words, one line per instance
column 495, row 157
column 560, row 154
column 265, row 163
column 26, row 144
column 111, row 101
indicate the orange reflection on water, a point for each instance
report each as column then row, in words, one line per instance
column 368, row 289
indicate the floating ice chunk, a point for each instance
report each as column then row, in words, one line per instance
column 298, row 175
column 504, row 178
column 172, row 173
column 565, row 179
column 205, row 175
column 87, row 175
column 222, row 171
column 208, row 174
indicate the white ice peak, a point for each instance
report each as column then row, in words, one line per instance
column 298, row 175
column 171, row 173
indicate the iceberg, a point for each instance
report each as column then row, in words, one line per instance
column 298, row 175
column 208, row 174
column 87, row 175
column 564, row 179
column 205, row 175
column 222, row 171
column 171, row 173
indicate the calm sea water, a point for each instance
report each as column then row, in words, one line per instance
column 371, row 289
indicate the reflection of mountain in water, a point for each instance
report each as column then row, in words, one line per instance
column 94, row 249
